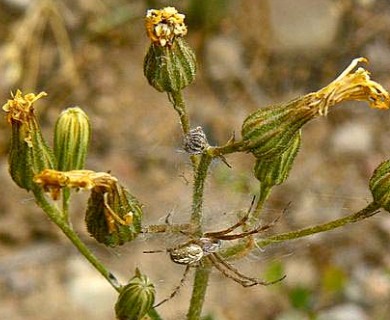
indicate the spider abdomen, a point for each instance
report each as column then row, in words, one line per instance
column 186, row 254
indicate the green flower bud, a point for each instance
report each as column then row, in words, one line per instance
column 113, row 215
column 268, row 132
column 170, row 63
column 136, row 298
column 274, row 171
column 71, row 139
column 380, row 185
column 29, row 153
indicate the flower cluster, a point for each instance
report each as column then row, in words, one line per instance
column 19, row 107
column 162, row 26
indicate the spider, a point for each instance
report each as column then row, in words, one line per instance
column 196, row 251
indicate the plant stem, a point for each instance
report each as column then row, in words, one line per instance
column 167, row 228
column 65, row 204
column 365, row 213
column 230, row 147
column 264, row 193
column 177, row 100
column 56, row 216
column 197, row 205
column 198, row 292
column 202, row 272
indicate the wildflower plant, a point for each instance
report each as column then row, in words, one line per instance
column 271, row 135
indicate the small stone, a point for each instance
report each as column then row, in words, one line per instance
column 89, row 290
column 353, row 137
column 347, row 311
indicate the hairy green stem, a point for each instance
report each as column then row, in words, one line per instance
column 65, row 204
column 177, row 100
column 55, row 215
column 202, row 272
column 197, row 204
column 264, row 193
column 198, row 292
column 230, row 147
column 365, row 213
column 168, row 228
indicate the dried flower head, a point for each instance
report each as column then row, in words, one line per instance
column 20, row 107
column 162, row 26
column 52, row 180
column 351, row 85
column 113, row 215
column 29, row 152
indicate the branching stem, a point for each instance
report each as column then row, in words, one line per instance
column 370, row 210
column 55, row 215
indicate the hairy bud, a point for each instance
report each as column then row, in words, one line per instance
column 380, row 185
column 170, row 63
column 29, row 153
column 136, row 298
column 71, row 139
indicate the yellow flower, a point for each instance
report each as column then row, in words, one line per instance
column 19, row 107
column 351, row 86
column 162, row 26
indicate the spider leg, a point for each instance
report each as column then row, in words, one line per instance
column 177, row 289
column 228, row 273
column 219, row 234
column 244, row 234
column 231, row 272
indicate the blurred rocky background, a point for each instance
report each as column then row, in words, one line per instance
column 251, row 53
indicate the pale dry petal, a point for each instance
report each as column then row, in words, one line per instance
column 351, row 86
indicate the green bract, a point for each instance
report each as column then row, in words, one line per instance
column 170, row 68
column 380, row 185
column 274, row 171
